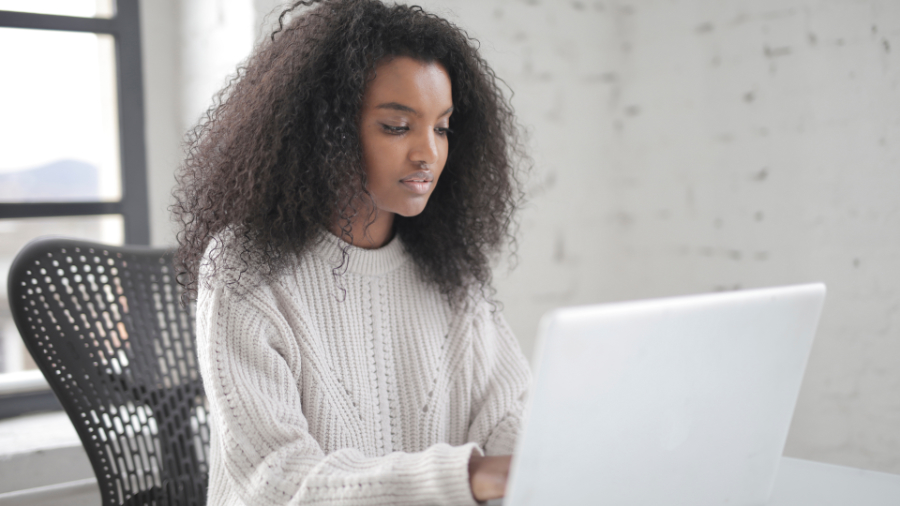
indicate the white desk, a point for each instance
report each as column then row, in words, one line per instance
column 42, row 463
column 807, row 483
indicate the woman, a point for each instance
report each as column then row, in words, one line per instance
column 339, row 208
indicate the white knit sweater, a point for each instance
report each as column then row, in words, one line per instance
column 365, row 388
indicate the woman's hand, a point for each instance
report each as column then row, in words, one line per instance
column 487, row 476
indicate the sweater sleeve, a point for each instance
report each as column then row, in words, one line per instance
column 251, row 373
column 502, row 378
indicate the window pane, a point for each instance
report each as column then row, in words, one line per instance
column 80, row 8
column 16, row 233
column 59, row 117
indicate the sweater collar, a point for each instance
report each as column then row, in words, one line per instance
column 371, row 262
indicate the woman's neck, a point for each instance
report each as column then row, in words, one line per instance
column 367, row 233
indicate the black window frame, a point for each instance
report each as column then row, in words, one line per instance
column 133, row 205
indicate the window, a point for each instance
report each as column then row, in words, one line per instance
column 73, row 159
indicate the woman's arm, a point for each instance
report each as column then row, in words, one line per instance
column 261, row 434
column 502, row 379
column 501, row 383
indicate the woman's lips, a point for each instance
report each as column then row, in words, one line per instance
column 420, row 182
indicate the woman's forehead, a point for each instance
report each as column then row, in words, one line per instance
column 422, row 86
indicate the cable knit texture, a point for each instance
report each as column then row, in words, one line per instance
column 363, row 388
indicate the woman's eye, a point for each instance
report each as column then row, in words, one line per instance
column 395, row 130
column 442, row 131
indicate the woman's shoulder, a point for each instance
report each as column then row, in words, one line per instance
column 234, row 263
column 474, row 312
column 226, row 261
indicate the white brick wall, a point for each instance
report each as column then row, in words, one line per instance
column 704, row 145
column 688, row 146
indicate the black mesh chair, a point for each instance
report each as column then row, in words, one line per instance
column 106, row 328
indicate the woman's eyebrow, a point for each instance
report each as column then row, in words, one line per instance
column 405, row 108
column 397, row 107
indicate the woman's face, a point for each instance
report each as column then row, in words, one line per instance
column 403, row 130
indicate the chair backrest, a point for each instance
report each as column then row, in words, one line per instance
column 106, row 327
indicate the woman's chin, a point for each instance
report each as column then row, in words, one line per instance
column 412, row 209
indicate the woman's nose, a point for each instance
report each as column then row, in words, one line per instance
column 425, row 149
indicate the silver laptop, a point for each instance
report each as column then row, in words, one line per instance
column 680, row 401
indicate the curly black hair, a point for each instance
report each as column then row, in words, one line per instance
column 270, row 163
